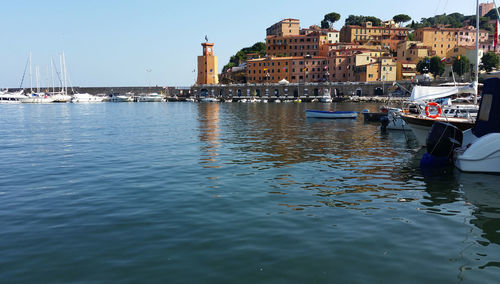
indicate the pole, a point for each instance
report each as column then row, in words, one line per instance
column 477, row 51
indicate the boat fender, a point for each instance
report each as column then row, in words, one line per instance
column 436, row 105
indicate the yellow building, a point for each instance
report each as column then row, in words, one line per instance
column 440, row 40
column 386, row 37
column 413, row 51
column 207, row 66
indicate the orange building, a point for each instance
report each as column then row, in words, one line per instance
column 293, row 69
column 268, row 70
column 386, row 37
column 296, row 45
column 207, row 66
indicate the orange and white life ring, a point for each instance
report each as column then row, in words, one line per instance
column 437, row 106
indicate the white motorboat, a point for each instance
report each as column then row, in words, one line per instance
column 86, row 98
column 480, row 151
column 12, row 98
column 118, row 98
column 152, row 97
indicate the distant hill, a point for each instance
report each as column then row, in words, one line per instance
column 241, row 56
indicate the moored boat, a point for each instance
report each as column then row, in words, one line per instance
column 331, row 114
column 86, row 98
column 12, row 98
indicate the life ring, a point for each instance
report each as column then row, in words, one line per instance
column 436, row 105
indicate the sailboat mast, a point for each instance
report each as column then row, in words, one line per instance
column 60, row 77
column 37, row 74
column 64, row 74
column 31, row 76
column 477, row 52
column 52, row 74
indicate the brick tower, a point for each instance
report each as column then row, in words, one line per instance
column 207, row 66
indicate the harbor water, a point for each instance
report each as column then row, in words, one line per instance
column 232, row 193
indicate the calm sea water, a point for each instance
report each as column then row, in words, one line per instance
column 232, row 193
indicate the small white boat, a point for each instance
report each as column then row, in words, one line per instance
column 209, row 100
column 395, row 122
column 326, row 98
column 86, row 98
column 331, row 114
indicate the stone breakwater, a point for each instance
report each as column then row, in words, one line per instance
column 347, row 91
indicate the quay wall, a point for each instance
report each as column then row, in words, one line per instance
column 294, row 91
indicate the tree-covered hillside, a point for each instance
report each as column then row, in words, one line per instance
column 241, row 56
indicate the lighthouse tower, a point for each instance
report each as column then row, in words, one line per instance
column 207, row 66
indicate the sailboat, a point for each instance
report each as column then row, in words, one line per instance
column 37, row 97
column 428, row 111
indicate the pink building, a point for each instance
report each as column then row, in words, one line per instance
column 484, row 8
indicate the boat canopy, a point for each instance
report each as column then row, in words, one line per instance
column 283, row 82
column 423, row 93
column 488, row 118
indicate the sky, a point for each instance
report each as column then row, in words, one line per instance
column 156, row 42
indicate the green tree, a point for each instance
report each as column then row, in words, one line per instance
column 329, row 20
column 461, row 65
column 360, row 20
column 490, row 60
column 401, row 18
column 436, row 66
column 241, row 56
column 423, row 65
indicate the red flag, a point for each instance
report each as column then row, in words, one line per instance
column 495, row 40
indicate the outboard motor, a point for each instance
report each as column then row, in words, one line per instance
column 441, row 141
column 384, row 121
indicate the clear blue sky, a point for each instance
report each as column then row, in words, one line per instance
column 113, row 42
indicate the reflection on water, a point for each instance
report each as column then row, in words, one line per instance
column 343, row 164
column 209, row 133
